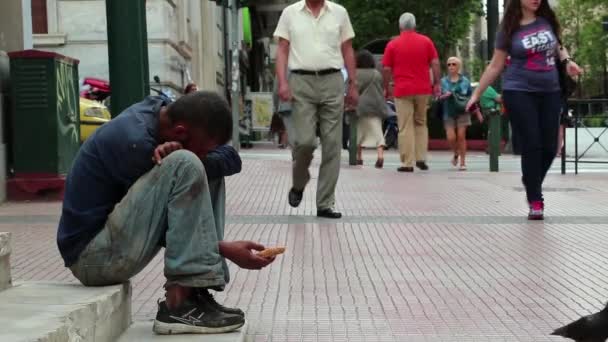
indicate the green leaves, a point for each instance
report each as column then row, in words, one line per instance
column 445, row 21
column 584, row 37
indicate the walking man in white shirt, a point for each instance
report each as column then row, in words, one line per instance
column 315, row 42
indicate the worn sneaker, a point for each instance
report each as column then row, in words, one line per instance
column 205, row 296
column 537, row 211
column 194, row 318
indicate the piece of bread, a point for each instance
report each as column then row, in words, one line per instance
column 272, row 251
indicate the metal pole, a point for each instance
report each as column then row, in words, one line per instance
column 605, row 67
column 495, row 118
column 235, row 93
column 576, row 123
column 563, row 149
column 495, row 137
column 492, row 25
column 127, row 52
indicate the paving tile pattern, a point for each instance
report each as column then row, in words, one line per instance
column 436, row 256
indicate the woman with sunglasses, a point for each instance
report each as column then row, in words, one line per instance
column 456, row 124
column 528, row 48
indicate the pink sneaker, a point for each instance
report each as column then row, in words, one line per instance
column 537, row 209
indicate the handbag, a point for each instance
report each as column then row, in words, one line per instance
column 457, row 103
column 437, row 109
column 566, row 83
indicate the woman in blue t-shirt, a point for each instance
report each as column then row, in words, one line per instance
column 528, row 47
column 455, row 123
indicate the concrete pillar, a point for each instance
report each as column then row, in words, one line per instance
column 15, row 34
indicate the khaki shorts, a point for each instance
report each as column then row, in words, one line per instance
column 463, row 120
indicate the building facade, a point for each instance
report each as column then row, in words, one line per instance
column 15, row 34
column 185, row 38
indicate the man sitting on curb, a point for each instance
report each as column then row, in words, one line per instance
column 154, row 177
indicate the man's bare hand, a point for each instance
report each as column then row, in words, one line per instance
column 437, row 90
column 164, row 150
column 352, row 96
column 240, row 252
column 284, row 92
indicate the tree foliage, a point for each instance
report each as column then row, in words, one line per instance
column 584, row 37
column 445, row 21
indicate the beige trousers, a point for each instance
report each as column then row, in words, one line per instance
column 317, row 101
column 413, row 130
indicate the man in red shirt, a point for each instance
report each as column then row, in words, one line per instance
column 406, row 60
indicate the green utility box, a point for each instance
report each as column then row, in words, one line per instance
column 44, row 120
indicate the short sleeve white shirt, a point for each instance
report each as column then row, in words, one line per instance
column 315, row 43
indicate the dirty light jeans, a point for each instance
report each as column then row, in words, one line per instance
column 171, row 206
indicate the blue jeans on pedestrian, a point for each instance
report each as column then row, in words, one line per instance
column 172, row 206
column 535, row 119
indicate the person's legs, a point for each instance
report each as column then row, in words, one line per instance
column 217, row 193
column 461, row 138
column 171, row 206
column 560, row 139
column 361, row 137
column 450, row 134
column 524, row 114
column 304, row 123
column 405, row 120
column 288, row 123
column 550, row 106
column 330, row 92
column 563, row 119
column 421, row 129
column 380, row 150
column 381, row 144
column 174, row 206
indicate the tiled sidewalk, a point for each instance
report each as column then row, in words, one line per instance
column 435, row 256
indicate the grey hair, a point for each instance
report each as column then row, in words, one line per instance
column 407, row 21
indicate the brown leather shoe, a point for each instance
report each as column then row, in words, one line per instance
column 379, row 163
column 405, row 169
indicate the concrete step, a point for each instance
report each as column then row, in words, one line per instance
column 53, row 312
column 141, row 331
column 5, row 265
